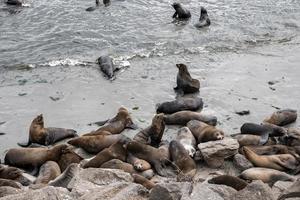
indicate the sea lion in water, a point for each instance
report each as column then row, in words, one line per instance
column 203, row 20
column 181, row 13
column 152, row 135
column 185, row 83
column 180, row 104
column 96, row 143
column 107, row 66
column 33, row 157
column 186, row 165
column 204, row 132
column 183, row 117
column 291, row 192
column 46, row 136
column 14, row 2
column 15, row 174
column 117, row 124
column 10, row 183
column 143, row 181
column 270, row 176
column 231, row 181
column 138, row 164
column 187, row 139
column 93, row 8
column 48, row 171
column 282, row 117
column 280, row 162
column 68, row 157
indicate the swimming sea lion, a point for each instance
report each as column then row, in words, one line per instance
column 48, row 171
column 152, row 135
column 203, row 20
column 231, row 181
column 117, row 124
column 33, row 157
column 187, row 139
column 10, row 183
column 68, row 157
column 14, row 174
column 282, row 117
column 180, row 12
column 14, row 2
column 183, row 117
column 185, row 83
column 143, row 181
column 107, row 66
column 270, row 176
column 186, row 165
column 138, row 164
column 95, row 143
column 46, row 136
column 291, row 192
column 93, row 8
column 204, row 132
column 180, row 104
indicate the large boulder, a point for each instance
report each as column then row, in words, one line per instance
column 6, row 190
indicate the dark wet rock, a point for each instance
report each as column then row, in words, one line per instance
column 243, row 112
column 272, row 82
column 22, row 94
column 241, row 162
column 54, row 98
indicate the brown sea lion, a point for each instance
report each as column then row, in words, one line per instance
column 292, row 138
column 117, row 124
column 270, row 149
column 15, row 174
column 33, row 157
column 269, row 176
column 138, row 164
column 96, row 143
column 183, row 117
column 68, row 157
column 152, row 135
column 143, row 181
column 291, row 192
column 187, row 139
column 185, row 83
column 10, row 183
column 231, row 181
column 46, row 136
column 264, row 130
column 180, row 104
column 48, row 171
column 280, row 162
column 204, row 132
column 282, row 117
column 248, row 139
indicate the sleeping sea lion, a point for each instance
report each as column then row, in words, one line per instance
column 183, row 117
column 181, row 13
column 180, row 104
column 203, row 20
column 282, row 117
column 15, row 174
column 143, row 181
column 138, row 164
column 270, row 149
column 185, row 83
column 231, row 181
column 68, row 157
column 187, row 139
column 48, row 171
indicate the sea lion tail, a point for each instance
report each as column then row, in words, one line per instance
column 24, row 144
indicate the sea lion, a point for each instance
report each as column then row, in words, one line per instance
column 10, row 183
column 46, row 136
column 282, row 117
column 186, row 165
column 292, row 138
column 152, row 135
column 180, row 104
column 183, row 117
column 48, row 171
column 231, row 181
column 143, row 181
column 181, row 13
column 203, row 20
column 280, row 162
column 263, row 129
column 270, row 149
column 96, row 143
column 276, row 131
column 185, row 83
column 15, row 174
column 117, row 124
column 138, row 164
column 93, row 8
column 204, row 132
column 68, row 157
column 33, row 157
column 248, row 139
column 291, row 192
column 107, row 66
column 270, row 176
column 14, row 2
column 187, row 139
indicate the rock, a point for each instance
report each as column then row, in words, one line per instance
column 214, row 152
column 241, row 162
column 159, row 192
column 6, row 190
column 280, row 186
column 223, row 190
column 243, row 112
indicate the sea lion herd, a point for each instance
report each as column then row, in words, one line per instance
column 272, row 148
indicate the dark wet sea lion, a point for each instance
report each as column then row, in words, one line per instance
column 68, row 157
column 93, row 8
column 282, row 117
column 107, row 66
column 143, row 181
column 152, row 135
column 15, row 174
column 48, row 171
column 203, row 20
column 261, row 129
column 96, row 143
column 231, row 181
column 180, row 12
column 269, row 176
column 291, row 192
column 117, row 124
column 180, row 104
column 8, row 182
column 33, row 157
column 46, row 136
column 277, row 131
column 187, row 139
column 204, row 132
column 185, row 83
column 183, row 117
column 14, row 2
column 138, row 164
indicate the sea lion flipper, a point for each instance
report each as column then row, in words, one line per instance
column 264, row 138
column 175, row 14
column 24, row 144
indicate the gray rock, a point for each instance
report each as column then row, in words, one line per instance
column 159, row 192
column 241, row 162
column 280, row 186
column 214, row 152
column 203, row 191
column 6, row 190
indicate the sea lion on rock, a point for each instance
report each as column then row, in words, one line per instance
column 292, row 138
column 282, row 117
column 187, row 139
column 248, row 139
column 181, row 13
column 180, row 104
column 96, row 143
column 138, row 164
column 204, row 132
column 203, row 20
column 15, row 174
column 68, row 157
column 185, row 83
column 270, row 176
column 231, row 181
column 46, row 136
column 270, row 149
column 152, row 135
column 10, row 183
column 291, row 192
column 48, row 171
column 263, row 129
column 143, row 181
column 117, row 124
column 183, row 117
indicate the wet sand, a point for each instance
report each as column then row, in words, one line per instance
column 229, row 82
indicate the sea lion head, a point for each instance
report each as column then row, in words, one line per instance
column 203, row 11
column 124, row 116
column 39, row 120
column 181, row 67
column 158, row 124
column 219, row 135
column 176, row 5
